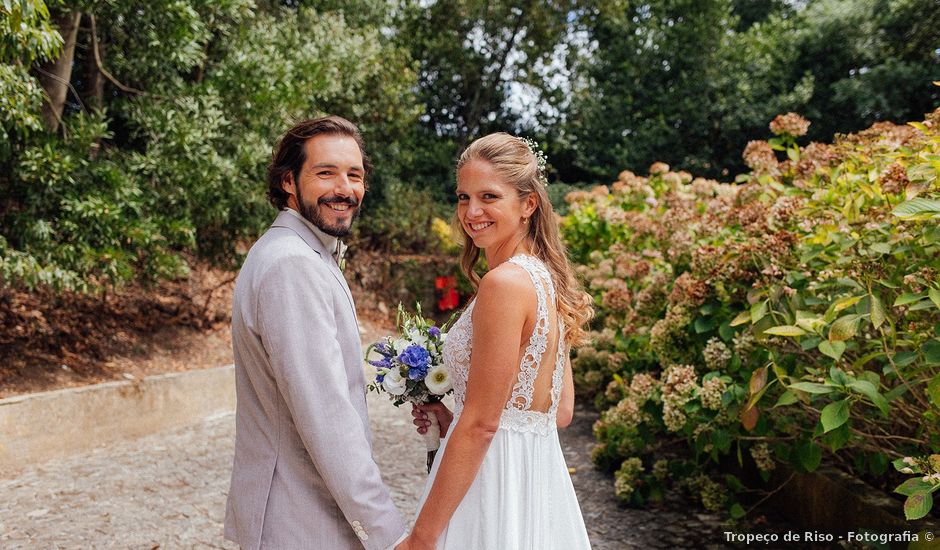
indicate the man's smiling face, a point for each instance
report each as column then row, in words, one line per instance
column 330, row 185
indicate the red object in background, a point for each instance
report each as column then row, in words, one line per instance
column 449, row 297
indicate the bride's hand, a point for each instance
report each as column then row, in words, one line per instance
column 444, row 417
column 414, row 542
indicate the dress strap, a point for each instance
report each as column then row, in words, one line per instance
column 559, row 372
column 524, row 388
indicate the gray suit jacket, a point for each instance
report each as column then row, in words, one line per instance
column 304, row 476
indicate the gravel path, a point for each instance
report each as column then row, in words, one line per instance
column 168, row 491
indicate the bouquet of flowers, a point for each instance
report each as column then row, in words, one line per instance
column 410, row 368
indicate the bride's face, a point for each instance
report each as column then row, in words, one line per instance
column 489, row 208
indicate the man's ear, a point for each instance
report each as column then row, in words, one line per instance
column 287, row 183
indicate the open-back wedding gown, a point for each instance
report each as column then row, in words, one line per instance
column 522, row 498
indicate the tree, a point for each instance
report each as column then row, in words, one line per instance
column 169, row 115
column 690, row 83
column 476, row 59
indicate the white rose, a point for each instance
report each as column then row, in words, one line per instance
column 438, row 380
column 393, row 382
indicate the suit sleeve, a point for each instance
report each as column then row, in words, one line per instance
column 295, row 315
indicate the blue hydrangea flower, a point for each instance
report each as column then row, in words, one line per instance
column 384, row 363
column 418, row 360
column 382, row 348
column 434, row 332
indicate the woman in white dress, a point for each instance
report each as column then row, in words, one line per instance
column 500, row 481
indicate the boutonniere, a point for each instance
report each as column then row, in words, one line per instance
column 342, row 264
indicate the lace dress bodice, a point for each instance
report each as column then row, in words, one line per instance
column 517, row 415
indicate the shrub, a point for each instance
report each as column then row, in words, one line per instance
column 791, row 317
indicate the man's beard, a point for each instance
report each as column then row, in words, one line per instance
column 312, row 214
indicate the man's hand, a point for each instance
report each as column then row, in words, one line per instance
column 421, row 421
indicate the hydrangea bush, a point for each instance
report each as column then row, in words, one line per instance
column 792, row 316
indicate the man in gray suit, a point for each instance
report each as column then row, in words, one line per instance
column 304, row 476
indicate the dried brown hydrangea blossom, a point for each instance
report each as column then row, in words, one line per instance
column 789, row 124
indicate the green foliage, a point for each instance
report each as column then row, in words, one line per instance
column 402, row 223
column 665, row 71
column 25, row 32
column 177, row 167
column 918, row 490
column 473, row 56
column 25, row 36
column 798, row 309
column 81, row 221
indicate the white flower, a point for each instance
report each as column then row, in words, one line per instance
column 400, row 344
column 438, row 380
column 417, row 337
column 393, row 382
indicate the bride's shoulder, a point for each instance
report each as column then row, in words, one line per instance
column 507, row 284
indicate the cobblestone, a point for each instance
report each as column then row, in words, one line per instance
column 168, row 491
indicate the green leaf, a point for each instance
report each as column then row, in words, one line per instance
column 809, row 455
column 741, row 318
column 908, row 298
column 914, row 486
column 785, row 330
column 878, row 313
column 904, row 358
column 722, row 440
column 917, row 506
column 755, row 397
column 786, row 398
column 900, row 465
column 846, row 303
column 931, row 351
column 933, row 390
column 758, row 311
column 837, row 438
column 812, row 387
column 878, row 463
column 832, row 349
column 844, row 328
column 809, row 343
column 869, row 390
column 838, row 376
column 881, row 248
column 934, row 295
column 725, row 331
column 916, row 206
column 704, row 324
column 736, row 511
column 835, row 414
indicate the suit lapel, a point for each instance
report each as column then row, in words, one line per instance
column 285, row 219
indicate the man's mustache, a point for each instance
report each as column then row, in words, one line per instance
column 351, row 201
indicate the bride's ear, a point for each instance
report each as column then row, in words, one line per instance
column 529, row 204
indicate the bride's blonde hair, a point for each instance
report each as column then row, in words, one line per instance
column 518, row 165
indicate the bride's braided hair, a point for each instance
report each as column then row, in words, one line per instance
column 515, row 161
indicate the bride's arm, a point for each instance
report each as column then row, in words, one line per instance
column 499, row 316
column 566, row 402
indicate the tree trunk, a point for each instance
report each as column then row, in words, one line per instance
column 55, row 75
column 94, row 80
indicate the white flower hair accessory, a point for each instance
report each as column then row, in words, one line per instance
column 540, row 159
